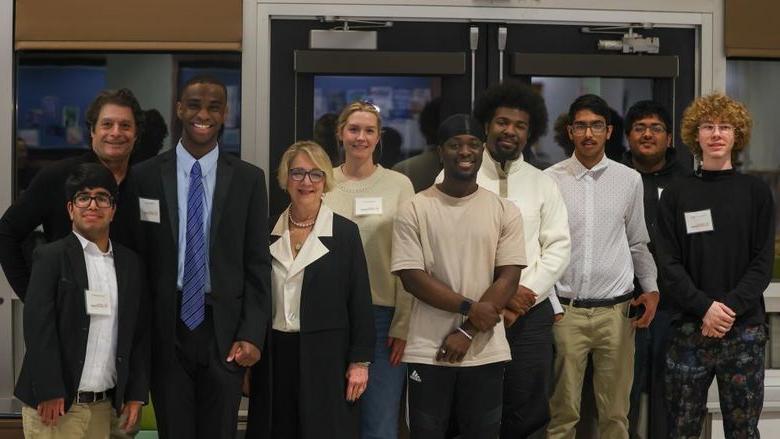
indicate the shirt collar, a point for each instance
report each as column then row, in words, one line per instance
column 89, row 246
column 579, row 170
column 323, row 226
column 510, row 166
column 185, row 160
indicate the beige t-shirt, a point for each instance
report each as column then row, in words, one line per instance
column 459, row 241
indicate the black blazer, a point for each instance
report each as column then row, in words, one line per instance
column 43, row 203
column 56, row 326
column 336, row 328
column 239, row 261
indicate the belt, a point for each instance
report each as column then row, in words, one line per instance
column 90, row 397
column 595, row 303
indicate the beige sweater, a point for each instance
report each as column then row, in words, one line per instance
column 376, row 232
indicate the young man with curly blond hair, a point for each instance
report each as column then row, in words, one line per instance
column 716, row 240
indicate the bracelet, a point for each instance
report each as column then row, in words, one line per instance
column 365, row 364
column 464, row 332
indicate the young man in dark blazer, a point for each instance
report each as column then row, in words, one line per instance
column 204, row 235
column 84, row 322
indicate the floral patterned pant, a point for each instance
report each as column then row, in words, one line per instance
column 736, row 361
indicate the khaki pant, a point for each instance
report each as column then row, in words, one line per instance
column 88, row 421
column 607, row 334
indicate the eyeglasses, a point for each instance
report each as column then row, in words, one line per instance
column 580, row 128
column 709, row 128
column 656, row 128
column 84, row 199
column 315, row 175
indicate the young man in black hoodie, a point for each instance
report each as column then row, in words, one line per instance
column 716, row 232
column 649, row 132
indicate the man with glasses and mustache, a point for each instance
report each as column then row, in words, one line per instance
column 85, row 324
column 716, row 236
column 609, row 247
column 649, row 133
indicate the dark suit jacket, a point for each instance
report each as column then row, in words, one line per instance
column 43, row 203
column 337, row 328
column 56, row 326
column 239, row 261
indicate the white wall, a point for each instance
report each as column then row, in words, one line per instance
column 6, row 184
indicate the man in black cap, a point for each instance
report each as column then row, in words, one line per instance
column 455, row 249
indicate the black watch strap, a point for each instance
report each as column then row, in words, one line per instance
column 465, row 307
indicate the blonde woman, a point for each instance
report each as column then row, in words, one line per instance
column 370, row 195
column 322, row 339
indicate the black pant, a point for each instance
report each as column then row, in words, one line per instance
column 285, row 412
column 473, row 393
column 196, row 395
column 528, row 379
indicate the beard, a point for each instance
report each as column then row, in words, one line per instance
column 500, row 154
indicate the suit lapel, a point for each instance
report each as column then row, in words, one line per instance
column 169, row 184
column 221, row 189
column 122, row 294
column 75, row 255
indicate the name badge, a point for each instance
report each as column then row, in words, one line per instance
column 150, row 210
column 660, row 191
column 699, row 221
column 98, row 303
column 368, row 206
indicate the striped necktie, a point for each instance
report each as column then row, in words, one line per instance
column 194, row 278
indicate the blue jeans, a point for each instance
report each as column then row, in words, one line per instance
column 380, row 404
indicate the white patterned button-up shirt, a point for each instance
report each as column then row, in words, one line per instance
column 607, row 226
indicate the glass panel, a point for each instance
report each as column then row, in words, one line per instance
column 755, row 84
column 51, row 104
column 54, row 90
column 559, row 93
column 400, row 100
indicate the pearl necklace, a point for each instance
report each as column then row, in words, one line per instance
column 301, row 225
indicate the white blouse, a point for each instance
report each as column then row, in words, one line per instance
column 287, row 272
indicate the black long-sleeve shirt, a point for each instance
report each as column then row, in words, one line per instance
column 732, row 263
column 44, row 203
column 654, row 184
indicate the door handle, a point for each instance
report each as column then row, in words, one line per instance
column 501, row 48
column 473, row 43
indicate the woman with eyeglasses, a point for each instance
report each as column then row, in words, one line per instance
column 370, row 195
column 315, row 369
column 716, row 250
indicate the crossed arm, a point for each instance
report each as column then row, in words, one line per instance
column 483, row 315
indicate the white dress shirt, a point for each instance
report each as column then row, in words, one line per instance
column 99, row 372
column 287, row 272
column 607, row 226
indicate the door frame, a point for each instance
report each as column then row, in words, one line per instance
column 706, row 16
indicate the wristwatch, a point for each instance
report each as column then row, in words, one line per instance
column 465, row 307
column 364, row 363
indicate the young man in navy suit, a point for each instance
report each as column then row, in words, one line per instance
column 204, row 232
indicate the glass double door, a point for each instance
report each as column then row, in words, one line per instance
column 450, row 63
